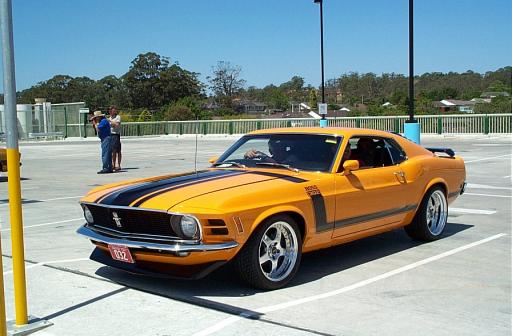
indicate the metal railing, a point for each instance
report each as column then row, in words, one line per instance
column 430, row 124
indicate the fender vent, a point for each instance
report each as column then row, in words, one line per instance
column 216, row 227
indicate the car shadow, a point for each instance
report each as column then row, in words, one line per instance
column 4, row 179
column 224, row 282
column 23, row 201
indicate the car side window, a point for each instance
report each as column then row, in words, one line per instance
column 372, row 152
column 395, row 151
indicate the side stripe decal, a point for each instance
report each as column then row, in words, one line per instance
column 372, row 216
column 320, row 215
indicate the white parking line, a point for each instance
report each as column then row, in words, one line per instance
column 472, row 211
column 489, row 158
column 49, row 263
column 45, row 224
column 485, row 186
column 222, row 324
column 488, row 195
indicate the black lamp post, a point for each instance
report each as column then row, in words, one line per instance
column 411, row 62
column 323, row 122
column 411, row 126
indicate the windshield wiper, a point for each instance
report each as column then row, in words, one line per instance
column 281, row 165
column 231, row 163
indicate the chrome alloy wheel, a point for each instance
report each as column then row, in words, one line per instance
column 278, row 251
column 436, row 212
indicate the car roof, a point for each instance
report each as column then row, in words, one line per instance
column 337, row 131
column 411, row 148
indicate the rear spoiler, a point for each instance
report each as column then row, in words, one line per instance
column 447, row 151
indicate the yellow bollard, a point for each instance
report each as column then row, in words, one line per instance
column 3, row 324
column 18, row 253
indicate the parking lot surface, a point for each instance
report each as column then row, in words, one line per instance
column 385, row 285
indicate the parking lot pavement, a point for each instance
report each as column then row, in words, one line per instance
column 384, row 285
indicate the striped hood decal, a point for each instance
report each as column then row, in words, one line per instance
column 126, row 196
column 136, row 195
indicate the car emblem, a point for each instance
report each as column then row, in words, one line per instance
column 117, row 219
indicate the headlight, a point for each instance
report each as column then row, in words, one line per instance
column 88, row 215
column 186, row 227
column 189, row 227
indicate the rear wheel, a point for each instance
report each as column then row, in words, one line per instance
column 271, row 257
column 430, row 220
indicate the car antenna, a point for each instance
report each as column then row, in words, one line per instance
column 195, row 152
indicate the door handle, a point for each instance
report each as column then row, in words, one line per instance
column 400, row 176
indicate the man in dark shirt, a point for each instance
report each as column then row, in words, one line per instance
column 102, row 127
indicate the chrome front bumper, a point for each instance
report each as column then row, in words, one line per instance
column 177, row 247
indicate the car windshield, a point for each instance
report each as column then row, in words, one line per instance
column 311, row 152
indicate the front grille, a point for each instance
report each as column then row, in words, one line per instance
column 133, row 221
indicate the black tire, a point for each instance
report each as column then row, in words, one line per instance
column 430, row 219
column 249, row 260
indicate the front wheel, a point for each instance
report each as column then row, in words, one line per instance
column 271, row 257
column 430, row 220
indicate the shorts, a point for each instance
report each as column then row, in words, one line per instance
column 115, row 143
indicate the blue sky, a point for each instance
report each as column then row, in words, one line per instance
column 271, row 40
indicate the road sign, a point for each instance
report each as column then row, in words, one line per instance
column 322, row 108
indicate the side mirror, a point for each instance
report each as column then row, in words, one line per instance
column 213, row 159
column 349, row 166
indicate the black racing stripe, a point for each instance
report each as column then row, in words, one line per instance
column 372, row 216
column 166, row 178
column 321, row 223
column 126, row 196
column 280, row 176
column 186, row 184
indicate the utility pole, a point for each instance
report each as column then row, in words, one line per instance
column 13, row 164
column 21, row 324
column 411, row 126
column 322, row 109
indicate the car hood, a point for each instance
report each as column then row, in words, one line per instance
column 167, row 192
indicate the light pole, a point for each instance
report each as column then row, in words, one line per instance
column 322, row 108
column 411, row 126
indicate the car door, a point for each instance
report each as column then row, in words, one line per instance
column 372, row 196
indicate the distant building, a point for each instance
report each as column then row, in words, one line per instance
column 464, row 106
column 211, row 105
column 490, row 95
column 250, row 107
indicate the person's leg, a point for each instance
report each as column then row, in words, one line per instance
column 113, row 150
column 119, row 156
column 114, row 158
column 109, row 154
column 106, row 154
column 103, row 154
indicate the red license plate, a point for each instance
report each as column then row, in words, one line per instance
column 121, row 253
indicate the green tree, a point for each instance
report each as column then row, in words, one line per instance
column 152, row 83
column 145, row 115
column 313, row 99
column 187, row 108
column 143, row 80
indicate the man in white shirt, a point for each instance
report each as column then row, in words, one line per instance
column 115, row 134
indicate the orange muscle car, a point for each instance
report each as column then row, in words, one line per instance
column 272, row 196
